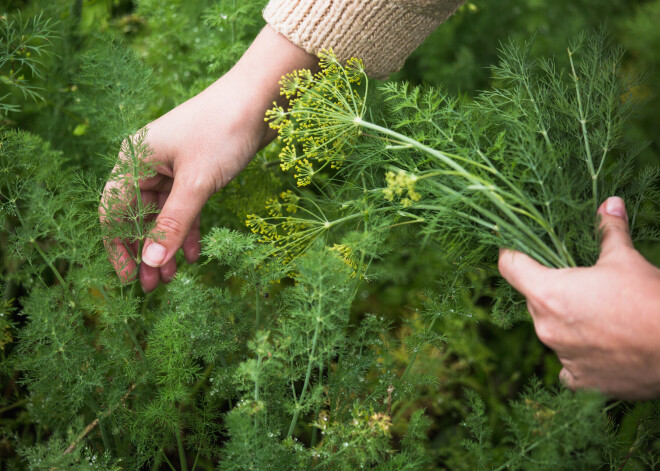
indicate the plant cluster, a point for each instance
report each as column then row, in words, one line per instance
column 349, row 327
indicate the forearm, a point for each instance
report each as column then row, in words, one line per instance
column 256, row 76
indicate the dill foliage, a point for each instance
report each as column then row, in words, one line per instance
column 348, row 326
column 523, row 166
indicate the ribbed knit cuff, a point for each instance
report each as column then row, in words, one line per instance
column 380, row 32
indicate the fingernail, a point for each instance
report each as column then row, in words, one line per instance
column 154, row 255
column 615, row 206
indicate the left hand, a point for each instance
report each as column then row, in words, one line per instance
column 602, row 321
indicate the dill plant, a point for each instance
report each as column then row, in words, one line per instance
column 335, row 359
column 519, row 167
column 25, row 43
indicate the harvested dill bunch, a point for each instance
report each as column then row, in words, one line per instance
column 523, row 166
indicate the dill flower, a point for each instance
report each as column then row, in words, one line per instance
column 323, row 118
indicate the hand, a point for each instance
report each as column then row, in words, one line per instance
column 201, row 146
column 603, row 321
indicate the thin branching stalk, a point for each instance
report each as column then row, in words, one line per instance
column 308, row 375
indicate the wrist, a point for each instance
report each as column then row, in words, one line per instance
column 256, row 76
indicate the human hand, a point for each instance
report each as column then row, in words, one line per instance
column 200, row 146
column 602, row 321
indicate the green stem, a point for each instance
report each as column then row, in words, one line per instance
column 104, row 435
column 167, row 460
column 203, row 378
column 196, row 459
column 49, row 263
column 182, row 451
column 497, row 199
column 138, row 198
column 134, row 339
column 13, row 406
column 414, row 356
column 585, row 134
column 256, row 379
column 310, row 362
column 129, row 329
column 257, row 308
column 318, row 410
column 256, row 384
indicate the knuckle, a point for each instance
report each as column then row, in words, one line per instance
column 546, row 301
column 198, row 183
column 169, row 225
column 545, row 333
column 568, row 379
column 622, row 254
column 503, row 265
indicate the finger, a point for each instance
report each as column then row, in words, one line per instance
column 185, row 202
column 168, row 271
column 118, row 255
column 158, row 183
column 121, row 259
column 524, row 273
column 192, row 246
column 614, row 226
column 116, row 206
column 119, row 191
column 149, row 277
column 568, row 379
column 149, row 204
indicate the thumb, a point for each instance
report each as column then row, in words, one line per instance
column 523, row 272
column 614, row 226
column 174, row 222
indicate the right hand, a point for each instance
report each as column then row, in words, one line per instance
column 201, row 146
column 602, row 321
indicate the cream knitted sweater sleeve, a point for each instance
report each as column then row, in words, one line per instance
column 380, row 32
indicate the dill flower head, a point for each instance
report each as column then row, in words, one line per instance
column 401, row 183
column 348, row 256
column 323, row 118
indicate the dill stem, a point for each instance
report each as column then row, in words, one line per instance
column 444, row 158
column 257, row 308
column 498, row 201
column 134, row 339
column 129, row 329
column 414, row 356
column 167, row 460
column 104, row 435
column 294, row 420
column 532, row 211
column 257, row 301
column 56, row 272
column 13, row 406
column 95, row 422
column 544, row 131
column 204, row 377
column 196, row 459
column 182, row 450
column 260, row 358
column 316, row 414
column 585, row 134
column 40, row 251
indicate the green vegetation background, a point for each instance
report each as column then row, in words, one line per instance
column 187, row 45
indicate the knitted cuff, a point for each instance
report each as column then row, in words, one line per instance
column 380, row 32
